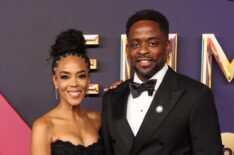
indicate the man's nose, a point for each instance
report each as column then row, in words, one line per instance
column 144, row 49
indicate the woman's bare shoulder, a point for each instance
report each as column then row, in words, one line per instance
column 42, row 124
column 95, row 116
column 42, row 133
column 45, row 122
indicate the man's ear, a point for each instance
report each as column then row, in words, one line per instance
column 168, row 47
column 127, row 53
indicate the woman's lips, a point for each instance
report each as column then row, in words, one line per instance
column 74, row 94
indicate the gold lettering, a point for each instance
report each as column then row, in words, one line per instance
column 92, row 40
column 210, row 46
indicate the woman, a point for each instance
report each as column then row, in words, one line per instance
column 68, row 129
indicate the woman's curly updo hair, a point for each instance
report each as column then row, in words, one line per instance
column 69, row 42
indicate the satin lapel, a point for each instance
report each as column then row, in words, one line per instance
column 167, row 96
column 119, row 102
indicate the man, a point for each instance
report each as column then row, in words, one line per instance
column 175, row 116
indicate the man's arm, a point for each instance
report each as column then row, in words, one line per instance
column 204, row 125
column 105, row 126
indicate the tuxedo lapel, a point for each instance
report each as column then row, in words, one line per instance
column 119, row 102
column 165, row 98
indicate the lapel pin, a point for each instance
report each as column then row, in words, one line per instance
column 159, row 109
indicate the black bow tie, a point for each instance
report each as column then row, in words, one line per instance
column 136, row 88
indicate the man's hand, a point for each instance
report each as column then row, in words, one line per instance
column 113, row 85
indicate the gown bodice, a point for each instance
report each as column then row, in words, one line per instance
column 60, row 147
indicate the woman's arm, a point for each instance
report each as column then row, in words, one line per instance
column 41, row 137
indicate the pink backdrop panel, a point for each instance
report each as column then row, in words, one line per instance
column 14, row 132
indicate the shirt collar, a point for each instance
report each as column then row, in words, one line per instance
column 158, row 76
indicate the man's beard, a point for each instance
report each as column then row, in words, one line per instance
column 148, row 74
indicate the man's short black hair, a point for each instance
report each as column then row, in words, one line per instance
column 149, row 15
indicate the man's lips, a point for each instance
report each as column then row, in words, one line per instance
column 144, row 62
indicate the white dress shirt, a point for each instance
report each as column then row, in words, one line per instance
column 138, row 107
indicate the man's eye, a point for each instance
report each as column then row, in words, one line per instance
column 153, row 43
column 64, row 77
column 135, row 45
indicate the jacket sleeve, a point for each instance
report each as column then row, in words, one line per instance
column 105, row 128
column 204, row 125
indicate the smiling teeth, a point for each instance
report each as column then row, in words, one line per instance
column 74, row 94
column 144, row 61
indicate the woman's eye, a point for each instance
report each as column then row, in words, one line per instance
column 82, row 76
column 64, row 77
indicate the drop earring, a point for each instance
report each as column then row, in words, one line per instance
column 56, row 93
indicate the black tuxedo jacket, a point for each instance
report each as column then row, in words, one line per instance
column 188, row 124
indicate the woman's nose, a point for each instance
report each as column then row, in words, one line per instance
column 74, row 82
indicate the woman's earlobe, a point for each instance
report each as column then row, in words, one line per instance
column 54, row 81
